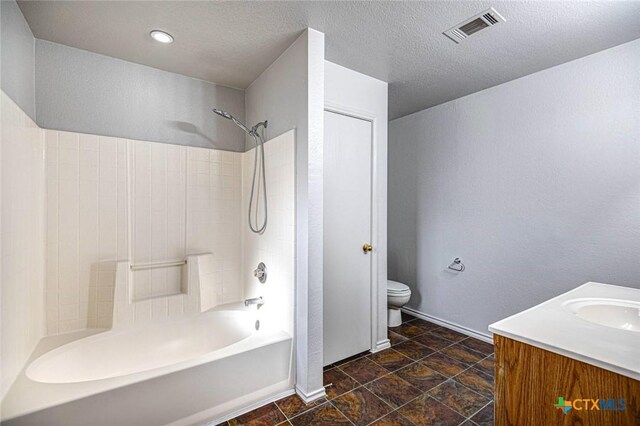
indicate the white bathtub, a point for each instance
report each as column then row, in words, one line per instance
column 181, row 371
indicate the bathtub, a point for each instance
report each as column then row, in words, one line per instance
column 185, row 371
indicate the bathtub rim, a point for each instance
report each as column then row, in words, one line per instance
column 46, row 395
column 109, row 333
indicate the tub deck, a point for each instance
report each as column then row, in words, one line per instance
column 203, row 387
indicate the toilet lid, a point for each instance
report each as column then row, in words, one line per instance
column 394, row 287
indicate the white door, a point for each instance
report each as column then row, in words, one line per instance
column 347, row 227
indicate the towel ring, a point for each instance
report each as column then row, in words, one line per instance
column 457, row 265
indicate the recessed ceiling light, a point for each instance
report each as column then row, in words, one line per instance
column 161, row 36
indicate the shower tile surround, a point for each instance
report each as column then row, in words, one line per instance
column 105, row 195
column 73, row 209
column 275, row 246
column 22, row 237
column 111, row 199
column 439, row 385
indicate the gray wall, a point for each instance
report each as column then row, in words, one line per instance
column 84, row 92
column 17, row 57
column 535, row 184
column 290, row 94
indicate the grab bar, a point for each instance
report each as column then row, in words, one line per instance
column 154, row 265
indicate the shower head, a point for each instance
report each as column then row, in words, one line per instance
column 222, row 113
column 228, row 116
column 253, row 131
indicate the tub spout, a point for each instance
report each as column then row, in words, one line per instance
column 259, row 301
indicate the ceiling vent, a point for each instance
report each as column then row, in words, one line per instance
column 482, row 20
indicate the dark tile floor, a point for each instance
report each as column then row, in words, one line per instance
column 430, row 376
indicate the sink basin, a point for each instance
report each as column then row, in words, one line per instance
column 614, row 313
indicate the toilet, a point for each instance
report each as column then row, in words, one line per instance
column 398, row 295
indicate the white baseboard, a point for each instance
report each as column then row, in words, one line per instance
column 381, row 345
column 485, row 337
column 251, row 407
column 311, row 396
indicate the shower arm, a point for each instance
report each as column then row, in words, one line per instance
column 254, row 129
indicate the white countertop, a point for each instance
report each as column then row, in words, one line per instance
column 553, row 327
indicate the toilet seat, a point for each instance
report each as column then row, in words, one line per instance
column 395, row 288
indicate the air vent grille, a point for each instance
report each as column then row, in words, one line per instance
column 490, row 19
column 482, row 20
column 474, row 26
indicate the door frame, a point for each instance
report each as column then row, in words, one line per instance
column 378, row 269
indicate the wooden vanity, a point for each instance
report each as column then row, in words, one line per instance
column 572, row 360
column 529, row 381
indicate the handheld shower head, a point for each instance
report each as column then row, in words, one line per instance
column 228, row 116
column 222, row 113
column 258, row 229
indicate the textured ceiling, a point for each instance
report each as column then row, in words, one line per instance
column 231, row 43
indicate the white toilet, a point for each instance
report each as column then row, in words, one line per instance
column 398, row 295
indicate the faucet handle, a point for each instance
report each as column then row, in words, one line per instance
column 261, row 272
column 258, row 301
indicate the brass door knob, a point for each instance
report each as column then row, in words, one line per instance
column 366, row 248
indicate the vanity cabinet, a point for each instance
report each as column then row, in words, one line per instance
column 529, row 382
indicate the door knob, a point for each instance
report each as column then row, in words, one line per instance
column 366, row 248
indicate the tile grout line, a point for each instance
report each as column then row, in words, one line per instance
column 361, row 385
column 392, row 407
column 77, row 240
column 302, row 412
column 58, row 234
column 490, row 400
column 470, row 390
column 340, row 411
column 422, row 393
column 483, row 407
column 286, row 418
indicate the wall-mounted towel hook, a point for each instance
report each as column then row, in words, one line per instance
column 457, row 265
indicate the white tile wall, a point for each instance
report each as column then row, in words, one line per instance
column 214, row 216
column 87, row 225
column 275, row 247
column 114, row 199
column 158, row 179
column 22, row 235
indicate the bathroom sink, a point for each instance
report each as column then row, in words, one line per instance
column 595, row 323
column 614, row 313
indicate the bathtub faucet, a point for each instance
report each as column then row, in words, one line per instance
column 255, row 301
